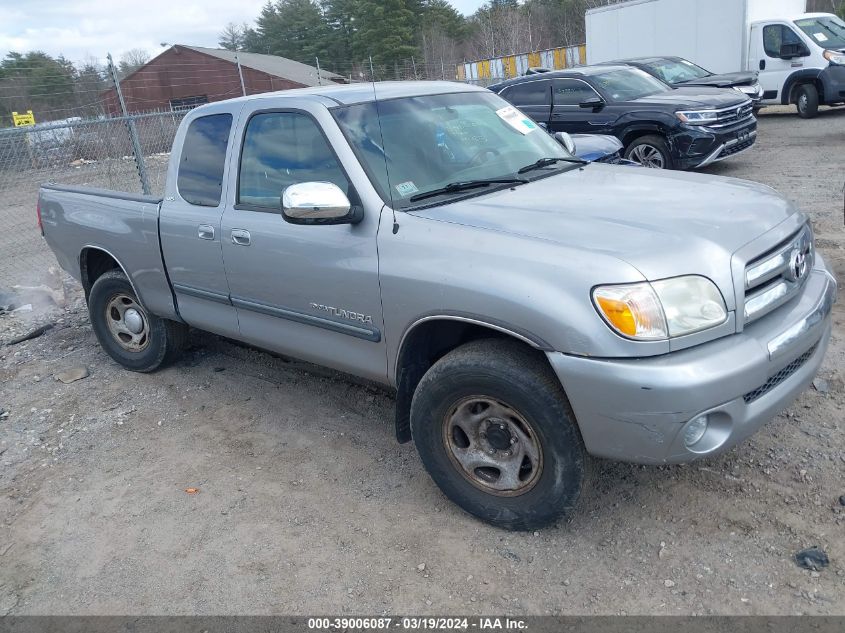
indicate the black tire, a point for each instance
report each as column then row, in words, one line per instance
column 650, row 151
column 518, row 379
column 807, row 101
column 160, row 341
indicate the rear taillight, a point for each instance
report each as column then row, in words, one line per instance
column 38, row 213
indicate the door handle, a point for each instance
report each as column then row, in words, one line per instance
column 241, row 237
column 205, row 232
column 762, row 64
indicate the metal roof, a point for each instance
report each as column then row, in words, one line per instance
column 270, row 64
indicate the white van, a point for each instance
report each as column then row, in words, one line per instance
column 800, row 57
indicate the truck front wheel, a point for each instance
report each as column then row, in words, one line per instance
column 133, row 337
column 807, row 101
column 495, row 431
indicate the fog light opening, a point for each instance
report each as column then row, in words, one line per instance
column 695, row 430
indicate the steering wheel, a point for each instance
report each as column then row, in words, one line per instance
column 487, row 151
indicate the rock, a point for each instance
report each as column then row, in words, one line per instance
column 821, row 385
column 4, row 413
column 7, row 301
column 841, row 499
column 421, row 567
column 668, row 583
column 506, row 553
column 813, row 558
column 72, row 375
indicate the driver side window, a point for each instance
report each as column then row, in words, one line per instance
column 775, row 36
column 282, row 149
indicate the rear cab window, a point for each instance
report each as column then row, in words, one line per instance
column 203, row 159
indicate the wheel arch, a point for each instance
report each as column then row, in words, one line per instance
column 631, row 134
column 798, row 79
column 430, row 338
column 94, row 261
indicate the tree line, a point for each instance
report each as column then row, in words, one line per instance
column 429, row 35
column 344, row 34
column 55, row 88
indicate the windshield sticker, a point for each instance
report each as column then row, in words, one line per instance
column 406, row 189
column 820, row 37
column 516, row 120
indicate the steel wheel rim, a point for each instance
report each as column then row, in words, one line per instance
column 802, row 103
column 492, row 446
column 127, row 323
column 648, row 156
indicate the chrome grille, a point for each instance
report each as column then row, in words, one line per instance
column 733, row 115
column 774, row 278
column 779, row 377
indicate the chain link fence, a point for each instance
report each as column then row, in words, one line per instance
column 86, row 152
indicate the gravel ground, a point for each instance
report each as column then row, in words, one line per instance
column 305, row 503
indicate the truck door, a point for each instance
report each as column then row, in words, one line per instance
column 189, row 225
column 308, row 291
column 767, row 41
column 534, row 98
column 567, row 114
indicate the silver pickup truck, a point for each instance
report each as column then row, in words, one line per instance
column 529, row 309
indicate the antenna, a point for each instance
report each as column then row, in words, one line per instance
column 383, row 148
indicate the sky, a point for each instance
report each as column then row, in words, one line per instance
column 85, row 29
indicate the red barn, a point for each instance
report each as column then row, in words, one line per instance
column 187, row 76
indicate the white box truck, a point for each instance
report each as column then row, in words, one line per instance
column 800, row 57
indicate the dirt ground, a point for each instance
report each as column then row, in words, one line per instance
column 307, row 505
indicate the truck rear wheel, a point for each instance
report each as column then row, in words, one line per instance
column 807, row 101
column 496, row 433
column 133, row 337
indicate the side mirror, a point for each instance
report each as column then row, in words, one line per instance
column 791, row 51
column 566, row 140
column 594, row 103
column 318, row 203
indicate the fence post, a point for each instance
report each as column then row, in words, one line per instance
column 240, row 74
column 133, row 132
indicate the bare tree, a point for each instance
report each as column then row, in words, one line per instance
column 233, row 37
column 132, row 60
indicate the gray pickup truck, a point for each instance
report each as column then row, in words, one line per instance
column 529, row 309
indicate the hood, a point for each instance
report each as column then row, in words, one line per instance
column 663, row 223
column 695, row 97
column 727, row 80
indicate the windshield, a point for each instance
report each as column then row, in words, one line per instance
column 628, row 84
column 827, row 32
column 414, row 145
column 676, row 71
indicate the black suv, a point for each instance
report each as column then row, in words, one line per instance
column 659, row 126
column 677, row 72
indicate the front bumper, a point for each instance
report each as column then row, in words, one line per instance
column 697, row 147
column 833, row 83
column 636, row 410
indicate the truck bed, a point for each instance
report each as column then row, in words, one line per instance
column 125, row 226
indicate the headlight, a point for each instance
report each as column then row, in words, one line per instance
column 752, row 90
column 698, row 117
column 661, row 309
column 837, row 59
